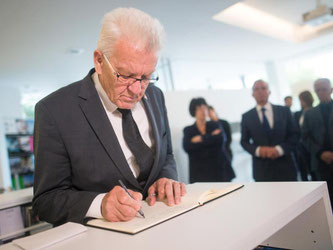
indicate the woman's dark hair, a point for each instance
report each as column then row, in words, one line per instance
column 306, row 97
column 196, row 102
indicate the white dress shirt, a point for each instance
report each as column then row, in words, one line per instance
column 270, row 117
column 115, row 117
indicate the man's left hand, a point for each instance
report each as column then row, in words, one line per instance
column 273, row 153
column 166, row 188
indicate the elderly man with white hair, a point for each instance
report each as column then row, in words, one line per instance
column 317, row 134
column 108, row 128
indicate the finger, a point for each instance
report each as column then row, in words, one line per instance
column 152, row 194
column 182, row 189
column 161, row 188
column 136, row 195
column 169, row 193
column 176, row 192
column 151, row 199
column 124, row 199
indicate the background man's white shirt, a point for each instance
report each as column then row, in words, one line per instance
column 270, row 117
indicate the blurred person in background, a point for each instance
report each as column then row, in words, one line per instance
column 226, row 128
column 269, row 134
column 317, row 134
column 288, row 101
column 302, row 155
column 203, row 141
column 226, row 147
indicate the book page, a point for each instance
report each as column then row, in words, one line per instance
column 196, row 195
column 215, row 193
column 154, row 215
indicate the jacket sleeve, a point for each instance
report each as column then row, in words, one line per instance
column 292, row 134
column 55, row 200
column 169, row 168
column 208, row 139
column 228, row 133
column 308, row 139
column 246, row 138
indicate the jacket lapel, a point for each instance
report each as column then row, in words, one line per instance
column 153, row 124
column 95, row 114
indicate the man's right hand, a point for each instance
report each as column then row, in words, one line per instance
column 263, row 151
column 118, row 206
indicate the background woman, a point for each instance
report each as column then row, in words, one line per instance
column 203, row 142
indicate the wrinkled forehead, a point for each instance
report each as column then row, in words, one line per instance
column 129, row 51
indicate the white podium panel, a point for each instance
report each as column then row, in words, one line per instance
column 284, row 214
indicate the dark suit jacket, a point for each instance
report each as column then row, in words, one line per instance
column 227, row 130
column 77, row 154
column 297, row 117
column 284, row 133
column 313, row 134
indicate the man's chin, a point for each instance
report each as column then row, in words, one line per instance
column 126, row 105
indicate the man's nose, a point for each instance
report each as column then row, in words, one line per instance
column 135, row 87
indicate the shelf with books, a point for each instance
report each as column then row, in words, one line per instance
column 19, row 143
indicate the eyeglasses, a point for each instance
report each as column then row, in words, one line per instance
column 128, row 80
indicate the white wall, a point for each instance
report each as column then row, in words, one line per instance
column 229, row 104
column 10, row 103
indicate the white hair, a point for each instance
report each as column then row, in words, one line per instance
column 132, row 25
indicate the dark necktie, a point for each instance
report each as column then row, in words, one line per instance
column 142, row 153
column 265, row 123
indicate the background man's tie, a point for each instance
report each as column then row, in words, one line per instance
column 265, row 123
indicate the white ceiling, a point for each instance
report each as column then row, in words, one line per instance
column 36, row 36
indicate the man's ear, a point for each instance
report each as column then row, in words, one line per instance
column 98, row 61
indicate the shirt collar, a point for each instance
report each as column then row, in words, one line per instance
column 110, row 106
column 267, row 106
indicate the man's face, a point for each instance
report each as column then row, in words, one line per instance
column 261, row 92
column 323, row 90
column 127, row 61
column 288, row 102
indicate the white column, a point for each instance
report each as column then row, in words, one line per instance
column 277, row 81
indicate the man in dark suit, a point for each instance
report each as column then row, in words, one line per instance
column 269, row 134
column 317, row 134
column 110, row 126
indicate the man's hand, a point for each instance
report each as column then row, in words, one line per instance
column 196, row 139
column 268, row 152
column 166, row 188
column 327, row 157
column 263, row 151
column 118, row 206
column 272, row 153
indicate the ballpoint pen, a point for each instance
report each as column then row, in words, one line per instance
column 126, row 190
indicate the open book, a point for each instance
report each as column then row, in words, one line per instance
column 196, row 196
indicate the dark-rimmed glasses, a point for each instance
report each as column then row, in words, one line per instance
column 128, row 80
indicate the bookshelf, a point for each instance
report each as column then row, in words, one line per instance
column 19, row 146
